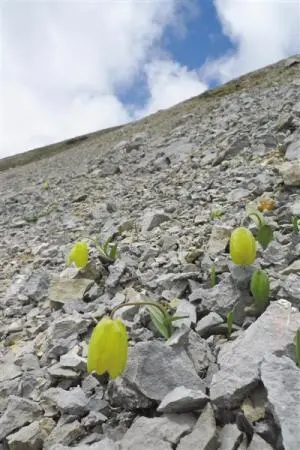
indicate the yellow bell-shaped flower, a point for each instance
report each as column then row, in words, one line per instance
column 108, row 347
column 79, row 255
column 242, row 246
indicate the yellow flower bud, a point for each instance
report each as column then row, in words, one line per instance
column 108, row 347
column 242, row 246
column 79, row 255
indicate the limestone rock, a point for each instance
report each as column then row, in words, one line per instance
column 182, row 400
column 240, row 360
column 157, row 433
column 155, row 369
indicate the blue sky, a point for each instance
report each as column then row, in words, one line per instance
column 70, row 67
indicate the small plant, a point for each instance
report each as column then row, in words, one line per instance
column 161, row 319
column 260, row 288
column 80, row 252
column 296, row 224
column 229, row 318
column 242, row 246
column 216, row 214
column 265, row 233
column 108, row 345
column 213, row 275
column 108, row 348
column 107, row 251
column 297, row 342
column 79, row 255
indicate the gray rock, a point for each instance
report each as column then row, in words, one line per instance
column 153, row 219
column 65, row 434
column 240, row 360
column 204, row 434
column 182, row 400
column 28, row 361
column 293, row 151
column 121, row 394
column 208, row 322
column 58, row 372
column 185, row 308
column 68, row 325
column 277, row 254
column 73, row 402
column 257, row 443
column 219, row 239
column 32, row 436
column 238, row 194
column 291, row 289
column 93, row 418
column 155, row 368
column 19, row 412
column 199, row 352
column 290, row 173
column 115, row 273
column 63, row 291
column 292, row 268
column 222, row 298
column 283, row 392
column 9, row 371
column 229, row 436
column 36, row 287
column 72, row 361
column 157, row 433
column 104, row 444
column 241, row 275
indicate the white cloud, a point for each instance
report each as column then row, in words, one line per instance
column 170, row 83
column 263, row 31
column 63, row 62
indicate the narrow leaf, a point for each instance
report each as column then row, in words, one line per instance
column 257, row 218
column 173, row 318
column 113, row 252
column 106, row 244
column 298, row 347
column 265, row 235
column 213, row 275
column 296, row 223
column 159, row 321
column 229, row 318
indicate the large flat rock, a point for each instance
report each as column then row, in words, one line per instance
column 240, row 360
column 155, row 369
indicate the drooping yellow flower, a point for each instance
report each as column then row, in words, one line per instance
column 108, row 348
column 79, row 255
column 242, row 246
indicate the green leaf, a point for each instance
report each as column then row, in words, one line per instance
column 173, row 318
column 229, row 318
column 257, row 218
column 106, row 244
column 213, row 275
column 160, row 321
column 298, row 347
column 113, row 252
column 260, row 288
column 265, row 235
column 296, row 224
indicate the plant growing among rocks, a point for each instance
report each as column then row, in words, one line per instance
column 260, row 288
column 79, row 253
column 108, row 345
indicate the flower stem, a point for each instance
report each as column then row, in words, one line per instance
column 160, row 307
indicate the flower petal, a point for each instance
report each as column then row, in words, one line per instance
column 242, row 246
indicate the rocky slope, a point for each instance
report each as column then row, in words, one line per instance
column 170, row 188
